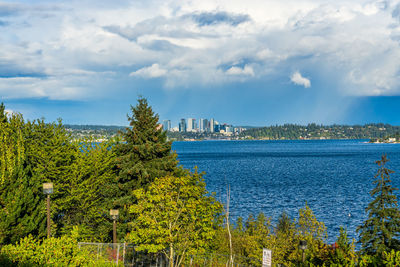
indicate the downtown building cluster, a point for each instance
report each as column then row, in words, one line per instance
column 203, row 126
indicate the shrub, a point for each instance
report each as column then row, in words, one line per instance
column 62, row 251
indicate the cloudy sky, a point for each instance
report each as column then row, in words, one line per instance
column 258, row 62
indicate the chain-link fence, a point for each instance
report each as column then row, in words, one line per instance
column 123, row 254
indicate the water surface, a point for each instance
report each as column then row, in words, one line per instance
column 333, row 176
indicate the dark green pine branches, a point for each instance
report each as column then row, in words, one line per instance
column 381, row 230
column 146, row 153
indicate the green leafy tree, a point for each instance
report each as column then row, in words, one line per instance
column 144, row 155
column 175, row 216
column 342, row 253
column 283, row 242
column 314, row 233
column 380, row 232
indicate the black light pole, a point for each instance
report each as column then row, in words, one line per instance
column 114, row 215
column 303, row 247
column 48, row 189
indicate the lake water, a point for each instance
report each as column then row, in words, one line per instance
column 333, row 176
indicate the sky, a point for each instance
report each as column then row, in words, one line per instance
column 252, row 63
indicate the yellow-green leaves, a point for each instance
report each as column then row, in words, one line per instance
column 11, row 146
column 174, row 213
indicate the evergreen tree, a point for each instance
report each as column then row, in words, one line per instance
column 50, row 157
column 144, row 155
column 381, row 230
column 86, row 202
column 22, row 209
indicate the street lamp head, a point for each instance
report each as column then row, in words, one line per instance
column 48, row 188
column 114, row 214
column 303, row 245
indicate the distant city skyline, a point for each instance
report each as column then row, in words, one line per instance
column 190, row 125
column 270, row 62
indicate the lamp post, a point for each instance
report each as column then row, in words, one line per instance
column 114, row 215
column 303, row 247
column 48, row 189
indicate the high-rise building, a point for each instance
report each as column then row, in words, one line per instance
column 203, row 125
column 191, row 125
column 167, row 125
column 229, row 129
column 182, row 125
column 212, row 125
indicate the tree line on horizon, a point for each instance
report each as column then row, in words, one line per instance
column 163, row 207
column 316, row 131
column 373, row 131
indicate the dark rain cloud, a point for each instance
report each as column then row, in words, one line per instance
column 157, row 24
column 160, row 45
column 152, row 26
column 213, row 18
column 396, row 12
column 9, row 9
column 9, row 70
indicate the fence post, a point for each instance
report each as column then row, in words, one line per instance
column 123, row 255
column 118, row 253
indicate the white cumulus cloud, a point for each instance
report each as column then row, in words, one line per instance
column 153, row 71
column 298, row 79
column 247, row 70
column 78, row 45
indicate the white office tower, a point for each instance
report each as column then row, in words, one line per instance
column 191, row 125
column 229, row 129
column 203, row 125
column 167, row 125
column 182, row 125
column 212, row 124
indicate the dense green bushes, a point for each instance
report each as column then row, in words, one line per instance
column 62, row 251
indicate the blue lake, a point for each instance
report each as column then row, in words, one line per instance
column 333, row 176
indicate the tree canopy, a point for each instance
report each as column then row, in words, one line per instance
column 380, row 232
column 175, row 215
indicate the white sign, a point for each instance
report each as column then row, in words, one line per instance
column 267, row 258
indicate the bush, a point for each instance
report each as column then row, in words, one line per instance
column 62, row 251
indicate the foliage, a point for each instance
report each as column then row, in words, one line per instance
column 314, row 131
column 50, row 157
column 343, row 251
column 314, row 233
column 35, row 152
column 251, row 237
column 391, row 258
column 87, row 201
column 175, row 216
column 20, row 210
column 145, row 155
column 380, row 232
column 63, row 251
column 284, row 242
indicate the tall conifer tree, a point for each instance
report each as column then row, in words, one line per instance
column 21, row 209
column 144, row 155
column 380, row 232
